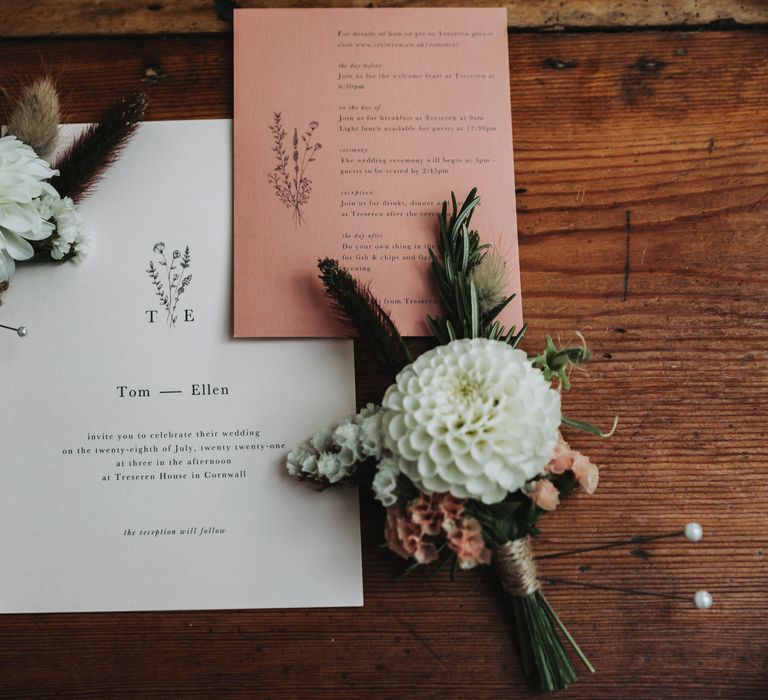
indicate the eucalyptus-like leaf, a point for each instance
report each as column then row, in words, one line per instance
column 588, row 427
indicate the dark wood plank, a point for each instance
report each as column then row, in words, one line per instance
column 66, row 18
column 670, row 127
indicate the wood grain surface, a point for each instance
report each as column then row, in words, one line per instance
column 107, row 17
column 641, row 163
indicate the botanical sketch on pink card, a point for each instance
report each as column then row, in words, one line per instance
column 352, row 126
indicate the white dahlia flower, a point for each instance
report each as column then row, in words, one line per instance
column 473, row 418
column 22, row 182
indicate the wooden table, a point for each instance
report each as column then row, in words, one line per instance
column 641, row 147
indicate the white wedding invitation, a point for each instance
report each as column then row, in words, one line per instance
column 142, row 446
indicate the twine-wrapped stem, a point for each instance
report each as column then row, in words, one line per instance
column 517, row 568
column 534, row 619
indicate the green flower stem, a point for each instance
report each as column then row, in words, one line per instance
column 566, row 633
column 541, row 650
column 523, row 641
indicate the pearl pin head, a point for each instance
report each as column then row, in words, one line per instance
column 702, row 600
column 21, row 331
column 693, row 532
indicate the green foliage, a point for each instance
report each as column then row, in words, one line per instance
column 459, row 253
column 557, row 363
column 588, row 427
column 501, row 522
column 358, row 308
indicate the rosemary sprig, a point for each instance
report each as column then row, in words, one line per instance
column 358, row 308
column 459, row 253
column 90, row 154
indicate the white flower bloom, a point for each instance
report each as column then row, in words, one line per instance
column 347, row 437
column 346, row 458
column 47, row 205
column 473, row 418
column 322, row 441
column 385, row 481
column 22, row 182
column 69, row 228
column 59, row 248
column 335, row 454
column 331, row 467
column 68, row 219
column 302, row 460
column 371, row 437
column 81, row 245
column 369, row 410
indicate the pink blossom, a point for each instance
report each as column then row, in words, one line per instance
column 406, row 538
column 465, row 538
column 414, row 532
column 586, row 473
column 544, row 494
column 451, row 507
column 563, row 457
column 425, row 512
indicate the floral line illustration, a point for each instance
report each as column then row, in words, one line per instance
column 290, row 182
column 170, row 286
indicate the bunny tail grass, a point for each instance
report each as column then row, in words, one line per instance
column 34, row 119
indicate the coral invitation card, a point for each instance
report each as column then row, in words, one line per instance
column 352, row 126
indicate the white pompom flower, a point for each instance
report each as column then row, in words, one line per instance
column 473, row 418
column 23, row 178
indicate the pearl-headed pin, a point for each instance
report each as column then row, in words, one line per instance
column 21, row 331
column 693, row 532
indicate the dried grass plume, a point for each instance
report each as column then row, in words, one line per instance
column 490, row 278
column 35, row 117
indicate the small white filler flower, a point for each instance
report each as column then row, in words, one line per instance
column 22, row 181
column 69, row 229
column 473, row 418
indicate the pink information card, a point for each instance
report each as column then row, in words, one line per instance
column 351, row 128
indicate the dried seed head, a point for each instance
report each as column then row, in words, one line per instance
column 490, row 278
column 35, row 118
